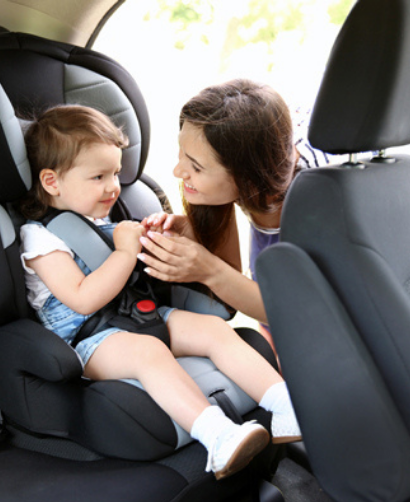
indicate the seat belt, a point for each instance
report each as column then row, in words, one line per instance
column 135, row 308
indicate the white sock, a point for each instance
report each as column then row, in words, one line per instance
column 284, row 422
column 277, row 399
column 208, row 426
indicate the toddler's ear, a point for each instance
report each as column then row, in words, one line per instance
column 48, row 179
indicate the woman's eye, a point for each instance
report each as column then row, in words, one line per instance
column 195, row 168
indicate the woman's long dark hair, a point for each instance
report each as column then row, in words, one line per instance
column 249, row 127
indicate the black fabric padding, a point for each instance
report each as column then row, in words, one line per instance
column 33, row 477
column 41, row 352
column 259, row 343
column 45, row 394
column 357, row 442
column 8, row 311
column 13, row 303
column 12, row 186
column 46, row 81
column 146, row 432
column 19, row 298
column 363, row 102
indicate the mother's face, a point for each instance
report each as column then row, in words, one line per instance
column 206, row 181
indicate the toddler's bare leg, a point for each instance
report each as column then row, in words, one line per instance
column 147, row 359
column 209, row 336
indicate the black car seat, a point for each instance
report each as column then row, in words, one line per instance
column 46, row 405
column 336, row 288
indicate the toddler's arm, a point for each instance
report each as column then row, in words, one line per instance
column 87, row 294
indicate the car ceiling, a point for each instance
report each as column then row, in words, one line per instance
column 77, row 22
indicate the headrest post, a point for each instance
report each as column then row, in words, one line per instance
column 353, row 163
column 382, row 158
column 353, row 158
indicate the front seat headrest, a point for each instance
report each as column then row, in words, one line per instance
column 363, row 103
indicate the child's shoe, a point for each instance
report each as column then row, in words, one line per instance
column 235, row 447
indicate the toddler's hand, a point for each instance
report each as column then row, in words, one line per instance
column 169, row 225
column 127, row 235
column 158, row 222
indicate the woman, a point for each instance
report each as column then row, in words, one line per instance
column 236, row 147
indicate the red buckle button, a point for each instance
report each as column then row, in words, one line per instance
column 146, row 306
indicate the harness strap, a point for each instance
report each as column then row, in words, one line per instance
column 81, row 235
column 93, row 246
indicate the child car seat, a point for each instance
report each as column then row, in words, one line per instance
column 45, row 402
column 80, row 82
column 336, row 287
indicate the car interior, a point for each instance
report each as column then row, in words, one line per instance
column 335, row 288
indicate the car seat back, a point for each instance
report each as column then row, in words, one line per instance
column 357, row 230
column 339, row 306
column 355, row 223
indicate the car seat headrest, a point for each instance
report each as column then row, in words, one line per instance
column 363, row 102
column 15, row 174
column 86, row 87
column 37, row 73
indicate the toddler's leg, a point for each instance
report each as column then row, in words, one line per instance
column 209, row 336
column 145, row 358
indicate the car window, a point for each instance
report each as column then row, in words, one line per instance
column 174, row 48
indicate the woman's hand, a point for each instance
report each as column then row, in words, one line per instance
column 175, row 258
column 169, row 225
column 180, row 259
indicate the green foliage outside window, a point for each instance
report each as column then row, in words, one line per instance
column 260, row 22
column 338, row 11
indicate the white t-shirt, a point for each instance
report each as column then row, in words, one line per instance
column 36, row 241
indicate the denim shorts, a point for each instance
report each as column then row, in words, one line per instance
column 67, row 323
column 182, row 298
column 85, row 349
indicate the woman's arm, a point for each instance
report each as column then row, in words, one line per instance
column 181, row 260
column 86, row 294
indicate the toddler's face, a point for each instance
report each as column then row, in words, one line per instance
column 91, row 187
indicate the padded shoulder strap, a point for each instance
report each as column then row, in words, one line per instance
column 81, row 235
